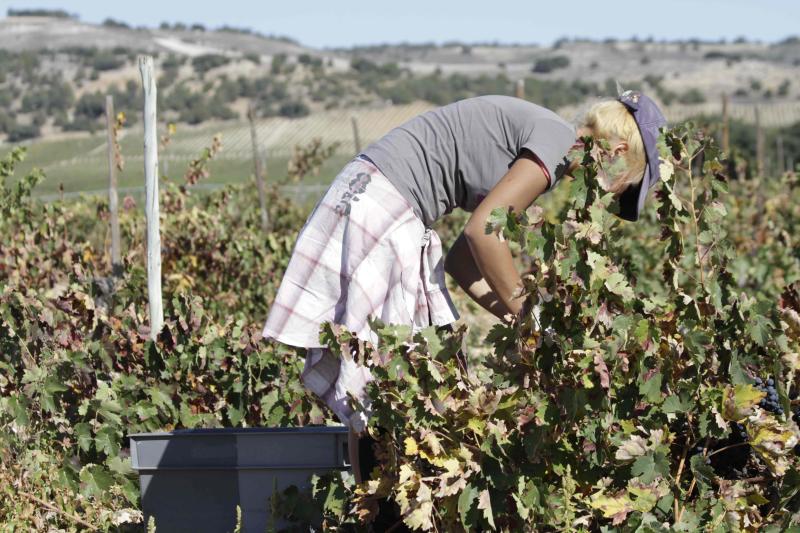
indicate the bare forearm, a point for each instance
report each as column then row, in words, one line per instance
column 516, row 190
column 461, row 266
column 496, row 264
column 483, row 295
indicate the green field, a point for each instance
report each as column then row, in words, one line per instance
column 80, row 165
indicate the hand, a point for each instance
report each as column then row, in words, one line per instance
column 525, row 309
column 519, row 304
column 517, row 311
column 526, row 302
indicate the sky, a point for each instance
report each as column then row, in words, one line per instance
column 344, row 23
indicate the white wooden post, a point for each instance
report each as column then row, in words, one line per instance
column 151, row 196
column 356, row 137
column 521, row 88
column 759, row 145
column 113, row 196
column 726, row 131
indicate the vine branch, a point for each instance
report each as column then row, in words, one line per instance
column 51, row 507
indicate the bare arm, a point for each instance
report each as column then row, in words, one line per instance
column 520, row 186
column 460, row 264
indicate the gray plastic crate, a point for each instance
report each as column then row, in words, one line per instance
column 192, row 480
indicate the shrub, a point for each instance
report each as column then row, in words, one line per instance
column 253, row 58
column 310, row 61
column 692, row 96
column 50, row 98
column 217, row 108
column 206, row 62
column 52, row 13
column 21, row 132
column 81, row 123
column 293, row 109
column 173, row 62
column 362, row 65
column 167, row 78
column 112, row 23
column 81, row 52
column 783, row 88
column 91, row 105
column 730, row 57
column 105, row 60
column 6, row 121
column 278, row 63
column 549, row 64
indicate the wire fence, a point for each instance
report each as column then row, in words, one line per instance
column 304, row 192
column 278, row 136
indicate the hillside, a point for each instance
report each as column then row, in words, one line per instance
column 55, row 72
column 26, row 33
column 711, row 67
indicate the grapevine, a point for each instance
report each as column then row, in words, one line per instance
column 653, row 385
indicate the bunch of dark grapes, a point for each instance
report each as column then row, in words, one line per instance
column 770, row 403
column 731, row 457
column 733, row 463
column 698, row 450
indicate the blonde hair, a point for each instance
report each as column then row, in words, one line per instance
column 611, row 120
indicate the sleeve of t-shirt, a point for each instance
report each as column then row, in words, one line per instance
column 550, row 141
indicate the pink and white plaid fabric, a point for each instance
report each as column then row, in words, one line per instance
column 362, row 252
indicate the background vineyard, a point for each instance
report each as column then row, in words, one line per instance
column 77, row 164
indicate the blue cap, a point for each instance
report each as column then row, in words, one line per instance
column 649, row 119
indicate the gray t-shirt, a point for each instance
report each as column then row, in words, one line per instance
column 452, row 156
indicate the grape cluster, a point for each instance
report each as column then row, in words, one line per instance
column 734, row 461
column 770, row 403
column 732, row 457
column 699, row 450
column 738, row 430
